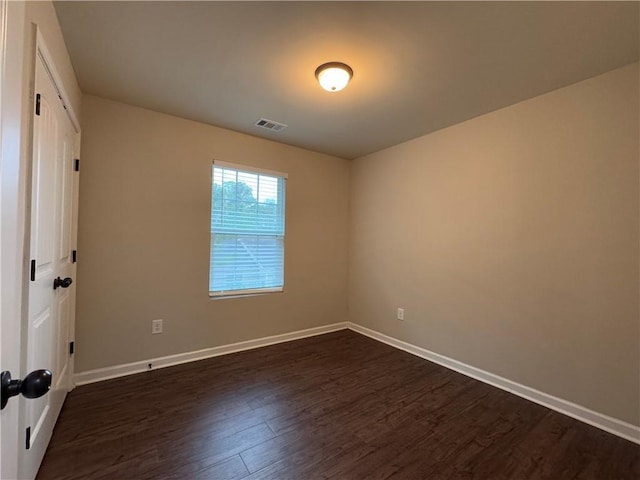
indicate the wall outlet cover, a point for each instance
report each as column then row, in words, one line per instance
column 156, row 326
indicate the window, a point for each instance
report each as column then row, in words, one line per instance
column 247, row 231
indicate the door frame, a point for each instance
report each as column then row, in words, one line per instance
column 13, row 166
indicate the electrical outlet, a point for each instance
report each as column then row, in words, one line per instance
column 156, row 326
column 401, row 314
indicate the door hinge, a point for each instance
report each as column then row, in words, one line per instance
column 33, row 270
column 72, row 348
column 76, row 165
column 37, row 104
column 28, row 438
column 74, row 256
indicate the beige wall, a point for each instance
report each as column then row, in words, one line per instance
column 512, row 242
column 143, row 249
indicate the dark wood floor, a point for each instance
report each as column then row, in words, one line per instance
column 334, row 406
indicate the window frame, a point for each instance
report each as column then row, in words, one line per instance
column 220, row 294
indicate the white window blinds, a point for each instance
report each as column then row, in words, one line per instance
column 247, row 231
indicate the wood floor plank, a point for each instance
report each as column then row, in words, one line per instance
column 230, row 469
column 338, row 406
column 187, row 456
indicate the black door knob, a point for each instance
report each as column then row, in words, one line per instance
column 34, row 385
column 64, row 283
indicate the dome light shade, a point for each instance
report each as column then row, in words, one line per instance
column 333, row 76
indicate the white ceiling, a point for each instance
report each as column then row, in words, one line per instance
column 418, row 66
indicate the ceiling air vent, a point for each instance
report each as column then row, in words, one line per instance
column 270, row 125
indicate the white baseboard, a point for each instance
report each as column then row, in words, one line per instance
column 604, row 422
column 599, row 420
column 100, row 374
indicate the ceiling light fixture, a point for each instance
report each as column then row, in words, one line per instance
column 333, row 76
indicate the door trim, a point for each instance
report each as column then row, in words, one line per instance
column 12, row 172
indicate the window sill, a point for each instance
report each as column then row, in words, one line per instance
column 244, row 293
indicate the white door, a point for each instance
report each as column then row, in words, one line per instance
column 51, row 292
